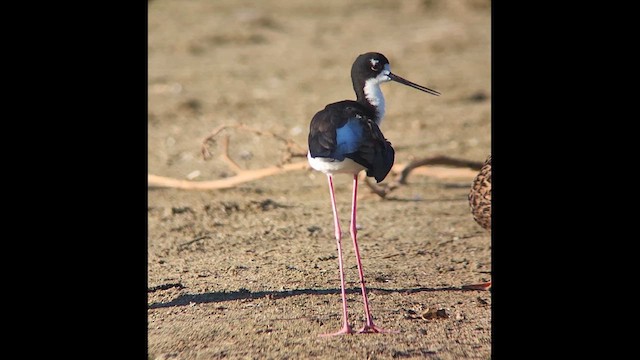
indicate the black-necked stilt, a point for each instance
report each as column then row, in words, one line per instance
column 345, row 138
column 480, row 203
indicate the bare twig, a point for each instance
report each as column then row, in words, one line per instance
column 155, row 181
column 293, row 149
column 438, row 160
column 227, row 159
column 383, row 190
column 244, row 176
column 401, row 171
column 183, row 245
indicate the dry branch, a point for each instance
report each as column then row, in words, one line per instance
column 456, row 167
column 383, row 190
column 251, row 175
column 293, row 149
column 438, row 160
column 242, row 177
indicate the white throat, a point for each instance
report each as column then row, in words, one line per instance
column 373, row 93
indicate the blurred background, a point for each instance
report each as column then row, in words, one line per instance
column 272, row 64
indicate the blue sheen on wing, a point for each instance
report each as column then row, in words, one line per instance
column 348, row 138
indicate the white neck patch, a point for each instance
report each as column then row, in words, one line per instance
column 373, row 93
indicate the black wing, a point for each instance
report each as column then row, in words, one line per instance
column 375, row 152
column 372, row 150
column 322, row 131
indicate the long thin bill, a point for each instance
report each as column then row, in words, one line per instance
column 397, row 78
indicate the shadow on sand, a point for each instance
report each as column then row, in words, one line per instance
column 214, row 297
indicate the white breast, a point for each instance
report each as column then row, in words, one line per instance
column 331, row 166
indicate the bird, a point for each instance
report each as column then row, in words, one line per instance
column 480, row 204
column 345, row 137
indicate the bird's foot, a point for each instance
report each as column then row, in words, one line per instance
column 371, row 328
column 346, row 329
column 482, row 286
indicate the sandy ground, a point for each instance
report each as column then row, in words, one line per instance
column 251, row 272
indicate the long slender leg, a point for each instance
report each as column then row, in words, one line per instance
column 346, row 328
column 369, row 327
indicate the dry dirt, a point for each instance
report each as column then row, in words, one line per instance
column 251, row 272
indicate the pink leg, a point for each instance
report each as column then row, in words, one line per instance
column 346, row 328
column 369, row 327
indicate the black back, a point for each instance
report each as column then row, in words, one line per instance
column 373, row 152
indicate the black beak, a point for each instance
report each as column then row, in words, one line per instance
column 397, row 78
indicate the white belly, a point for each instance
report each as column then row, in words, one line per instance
column 331, row 166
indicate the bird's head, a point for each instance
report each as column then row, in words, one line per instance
column 373, row 67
